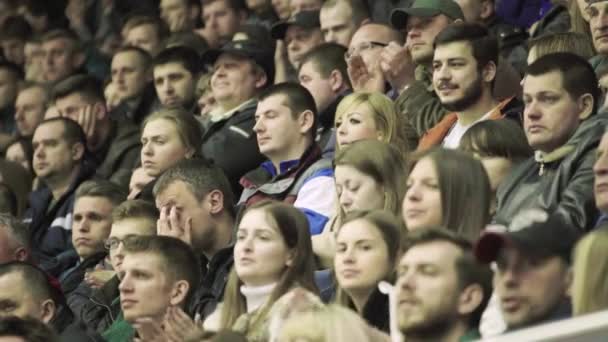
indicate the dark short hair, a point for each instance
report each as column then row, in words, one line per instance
column 62, row 34
column 8, row 200
column 72, row 132
column 359, row 9
column 185, row 56
column 135, row 209
column 101, row 188
column 40, row 285
column 15, row 70
column 143, row 54
column 138, row 19
column 484, row 45
column 201, row 177
column 236, row 5
column 469, row 270
column 29, row 329
column 87, row 86
column 497, row 138
column 179, row 260
column 16, row 27
column 578, row 77
column 297, row 98
column 326, row 58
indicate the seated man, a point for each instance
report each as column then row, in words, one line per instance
column 98, row 301
column 285, row 127
column 114, row 145
column 323, row 73
column 241, row 69
column 59, row 148
column 200, row 196
column 561, row 97
column 301, row 33
column 132, row 76
column 145, row 32
column 30, row 106
column 25, row 330
column 175, row 73
column 93, row 205
column 532, row 276
column 340, row 19
column 63, row 55
column 441, row 289
column 172, row 273
column 26, row 291
column 14, row 240
column 464, row 69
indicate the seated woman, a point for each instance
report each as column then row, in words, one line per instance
column 447, row 188
column 499, row 145
column 168, row 136
column 272, row 255
column 369, row 175
column 366, row 254
column 362, row 116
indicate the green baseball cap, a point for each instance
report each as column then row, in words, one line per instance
column 426, row 8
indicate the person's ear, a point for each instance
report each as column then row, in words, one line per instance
column 291, row 255
column 336, row 80
column 585, row 103
column 487, row 9
column 77, row 151
column 488, row 73
column 470, row 299
column 215, row 200
column 179, row 292
column 99, row 110
column 21, row 254
column 47, row 311
column 260, row 79
column 306, row 120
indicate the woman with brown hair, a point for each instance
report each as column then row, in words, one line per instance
column 369, row 175
column 367, row 245
column 272, row 255
column 447, row 188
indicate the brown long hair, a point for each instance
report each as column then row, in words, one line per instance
column 293, row 226
column 381, row 161
column 465, row 190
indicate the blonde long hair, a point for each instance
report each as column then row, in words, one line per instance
column 384, row 114
column 589, row 286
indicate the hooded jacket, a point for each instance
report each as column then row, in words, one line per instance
column 560, row 181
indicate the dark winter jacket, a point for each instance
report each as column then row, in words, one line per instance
column 211, row 289
column 72, row 281
column 102, row 308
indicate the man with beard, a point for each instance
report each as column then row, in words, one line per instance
column 441, row 289
column 464, row 70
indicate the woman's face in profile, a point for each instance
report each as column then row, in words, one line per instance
column 422, row 202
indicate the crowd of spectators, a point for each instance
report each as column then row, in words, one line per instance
column 301, row 170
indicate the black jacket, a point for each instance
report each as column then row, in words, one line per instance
column 72, row 283
column 70, row 329
column 211, row 289
column 120, row 154
column 560, row 182
column 102, row 307
column 232, row 145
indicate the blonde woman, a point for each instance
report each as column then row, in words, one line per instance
column 369, row 175
column 589, row 287
column 363, row 116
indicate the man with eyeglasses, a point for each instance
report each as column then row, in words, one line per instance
column 96, row 301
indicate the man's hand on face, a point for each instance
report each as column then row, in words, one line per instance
column 177, row 23
column 171, row 224
column 397, row 65
column 364, row 78
column 86, row 119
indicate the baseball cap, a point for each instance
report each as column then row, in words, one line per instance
column 532, row 231
column 305, row 19
column 252, row 42
column 426, row 8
